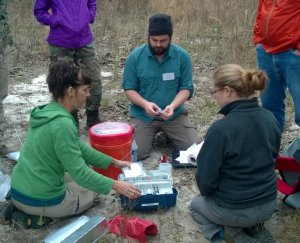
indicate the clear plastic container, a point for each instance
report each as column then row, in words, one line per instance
column 165, row 167
column 158, row 183
column 134, row 151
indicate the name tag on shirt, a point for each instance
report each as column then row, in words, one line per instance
column 168, row 76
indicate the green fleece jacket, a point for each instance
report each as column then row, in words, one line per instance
column 51, row 148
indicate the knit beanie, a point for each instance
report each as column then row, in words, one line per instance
column 160, row 24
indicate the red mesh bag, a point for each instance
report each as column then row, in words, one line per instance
column 134, row 228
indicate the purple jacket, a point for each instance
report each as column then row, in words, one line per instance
column 68, row 20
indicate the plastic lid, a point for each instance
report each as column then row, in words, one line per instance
column 107, row 130
column 163, row 158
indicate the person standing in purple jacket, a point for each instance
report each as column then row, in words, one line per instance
column 70, row 38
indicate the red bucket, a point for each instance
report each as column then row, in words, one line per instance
column 113, row 139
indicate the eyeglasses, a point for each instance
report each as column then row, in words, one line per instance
column 215, row 91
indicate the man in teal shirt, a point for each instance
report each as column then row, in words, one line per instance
column 158, row 80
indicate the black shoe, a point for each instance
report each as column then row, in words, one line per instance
column 20, row 220
column 237, row 235
column 89, row 124
column 261, row 233
column 92, row 118
column 6, row 209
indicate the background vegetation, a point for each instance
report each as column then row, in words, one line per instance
column 209, row 29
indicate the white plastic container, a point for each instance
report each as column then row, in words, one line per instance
column 157, row 183
column 165, row 167
column 156, row 187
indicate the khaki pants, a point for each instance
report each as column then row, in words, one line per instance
column 86, row 58
column 77, row 200
column 180, row 131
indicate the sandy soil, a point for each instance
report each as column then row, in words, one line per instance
column 174, row 224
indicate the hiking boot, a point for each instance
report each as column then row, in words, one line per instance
column 6, row 209
column 218, row 237
column 261, row 233
column 217, row 240
column 237, row 235
column 20, row 220
column 92, row 118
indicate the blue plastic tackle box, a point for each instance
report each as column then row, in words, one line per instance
column 157, row 192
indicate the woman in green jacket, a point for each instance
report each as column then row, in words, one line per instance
column 39, row 184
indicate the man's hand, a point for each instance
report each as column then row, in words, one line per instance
column 167, row 112
column 152, row 109
column 179, row 99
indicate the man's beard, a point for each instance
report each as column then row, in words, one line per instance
column 159, row 50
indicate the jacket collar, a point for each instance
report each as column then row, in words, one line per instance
column 239, row 104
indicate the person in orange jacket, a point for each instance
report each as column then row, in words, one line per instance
column 277, row 41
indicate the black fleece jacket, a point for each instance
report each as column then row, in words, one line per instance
column 235, row 165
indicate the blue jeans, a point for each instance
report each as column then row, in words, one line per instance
column 283, row 70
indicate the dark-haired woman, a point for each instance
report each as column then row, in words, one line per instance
column 235, row 166
column 52, row 147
